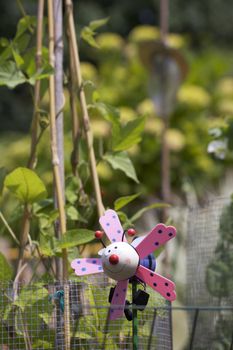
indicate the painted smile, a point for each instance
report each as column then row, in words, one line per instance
column 115, row 271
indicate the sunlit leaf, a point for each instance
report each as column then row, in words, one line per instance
column 123, row 201
column 10, row 75
column 74, row 238
column 29, row 296
column 138, row 214
column 98, row 23
column 26, row 185
column 122, row 162
column 27, row 23
column 129, row 135
column 18, row 58
column 87, row 34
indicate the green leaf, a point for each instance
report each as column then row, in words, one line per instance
column 5, row 269
column 44, row 72
column 42, row 344
column 74, row 238
column 10, row 75
column 122, row 162
column 87, row 34
column 18, row 58
column 3, row 173
column 82, row 335
column 123, row 201
column 4, row 42
column 26, row 185
column 149, row 207
column 24, row 24
column 28, row 296
column 129, row 135
column 47, row 245
column 109, row 113
column 98, row 23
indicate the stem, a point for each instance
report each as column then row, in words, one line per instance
column 83, row 103
column 75, row 118
column 23, row 236
column 36, row 112
column 53, row 138
column 24, row 14
column 164, row 19
column 9, row 229
column 74, row 112
column 56, row 162
column 58, row 55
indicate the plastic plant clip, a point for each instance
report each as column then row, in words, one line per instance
column 122, row 261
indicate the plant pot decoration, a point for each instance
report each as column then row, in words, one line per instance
column 124, row 263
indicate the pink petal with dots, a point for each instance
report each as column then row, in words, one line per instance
column 162, row 285
column 157, row 237
column 118, row 300
column 112, row 226
column 87, row 266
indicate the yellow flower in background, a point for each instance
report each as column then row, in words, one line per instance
column 194, row 96
column 110, row 41
column 144, row 33
column 146, row 108
column 225, row 88
column 100, row 128
column 176, row 41
column 154, row 126
column 89, row 72
column 175, row 140
column 104, row 171
column 127, row 113
column 225, row 106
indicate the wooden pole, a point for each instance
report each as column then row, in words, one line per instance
column 85, row 116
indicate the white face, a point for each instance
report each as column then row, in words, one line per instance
column 120, row 260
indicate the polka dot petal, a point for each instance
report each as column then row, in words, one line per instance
column 157, row 237
column 111, row 225
column 87, row 266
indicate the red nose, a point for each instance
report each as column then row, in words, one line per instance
column 113, row 259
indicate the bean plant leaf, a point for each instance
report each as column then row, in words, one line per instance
column 129, row 135
column 121, row 161
column 27, row 23
column 139, row 213
column 108, row 112
column 98, row 23
column 28, row 296
column 87, row 35
column 74, row 238
column 5, row 269
column 26, row 185
column 88, row 32
column 123, row 201
column 10, row 75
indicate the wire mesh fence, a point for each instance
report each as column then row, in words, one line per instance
column 210, row 274
column 33, row 318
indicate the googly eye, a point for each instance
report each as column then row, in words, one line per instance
column 115, row 247
column 109, row 251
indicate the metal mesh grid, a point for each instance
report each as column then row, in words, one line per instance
column 34, row 318
column 203, row 237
